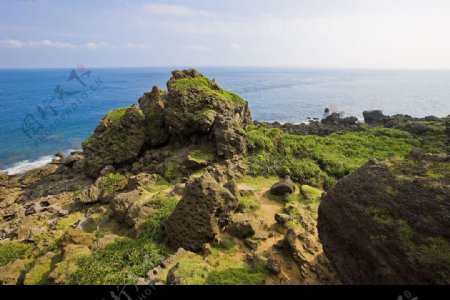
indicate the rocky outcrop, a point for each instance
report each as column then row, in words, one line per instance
column 388, row 222
column 193, row 110
column 198, row 217
column 117, row 139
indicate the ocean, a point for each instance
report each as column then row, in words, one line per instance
column 48, row 110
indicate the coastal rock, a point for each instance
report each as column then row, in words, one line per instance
column 388, row 223
column 152, row 104
column 117, row 139
column 197, row 218
column 373, row 117
column 284, row 187
column 242, row 226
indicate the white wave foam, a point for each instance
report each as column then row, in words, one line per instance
column 26, row 165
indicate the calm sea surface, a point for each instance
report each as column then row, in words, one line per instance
column 42, row 111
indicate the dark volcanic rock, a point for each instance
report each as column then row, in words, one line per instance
column 117, row 139
column 389, row 223
column 203, row 210
column 284, row 187
column 373, row 117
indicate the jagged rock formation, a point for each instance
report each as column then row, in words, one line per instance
column 388, row 222
column 117, row 139
column 194, row 109
column 198, row 217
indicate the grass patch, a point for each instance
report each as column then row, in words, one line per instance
column 126, row 259
column 320, row 161
column 116, row 115
column 258, row 182
column 206, row 88
column 249, row 203
column 113, row 182
column 10, row 251
column 158, row 186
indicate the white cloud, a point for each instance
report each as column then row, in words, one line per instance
column 51, row 44
column 171, row 10
column 137, row 46
column 11, row 44
column 196, row 47
column 235, row 46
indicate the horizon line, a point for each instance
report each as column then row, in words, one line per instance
column 231, row 67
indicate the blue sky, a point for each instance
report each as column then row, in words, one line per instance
column 286, row 33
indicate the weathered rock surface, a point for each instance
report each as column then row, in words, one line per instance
column 388, row 223
column 194, row 109
column 373, row 117
column 203, row 210
column 117, row 139
column 284, row 187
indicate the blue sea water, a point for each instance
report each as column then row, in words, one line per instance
column 43, row 112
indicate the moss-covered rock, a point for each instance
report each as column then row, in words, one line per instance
column 117, row 139
column 388, row 222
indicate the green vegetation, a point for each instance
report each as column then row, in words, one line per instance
column 249, row 203
column 230, row 272
column 438, row 170
column 116, row 115
column 172, row 171
column 158, row 186
column 200, row 156
column 258, row 182
column 113, row 182
column 10, row 251
column 320, row 161
column 126, row 259
column 206, row 87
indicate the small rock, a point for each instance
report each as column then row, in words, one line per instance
column 207, row 250
column 63, row 212
column 241, row 226
column 33, row 233
column 273, row 266
column 107, row 170
column 284, row 187
column 252, row 244
column 282, row 218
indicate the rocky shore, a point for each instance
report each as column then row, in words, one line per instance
column 183, row 187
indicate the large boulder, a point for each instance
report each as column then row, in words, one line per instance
column 117, row 139
column 194, row 102
column 389, row 223
column 204, row 209
column 373, row 117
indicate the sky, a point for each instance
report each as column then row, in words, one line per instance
column 381, row 34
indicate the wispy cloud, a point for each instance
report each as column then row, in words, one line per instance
column 196, row 47
column 17, row 44
column 171, row 10
column 137, row 46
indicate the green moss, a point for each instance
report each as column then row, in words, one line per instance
column 206, row 88
column 438, row 170
column 127, row 259
column 112, row 182
column 232, row 272
column 158, row 186
column 200, row 156
column 10, row 251
column 382, row 215
column 319, row 161
column 193, row 271
column 172, row 172
column 69, row 220
column 249, row 203
column 116, row 115
column 38, row 274
column 258, row 182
